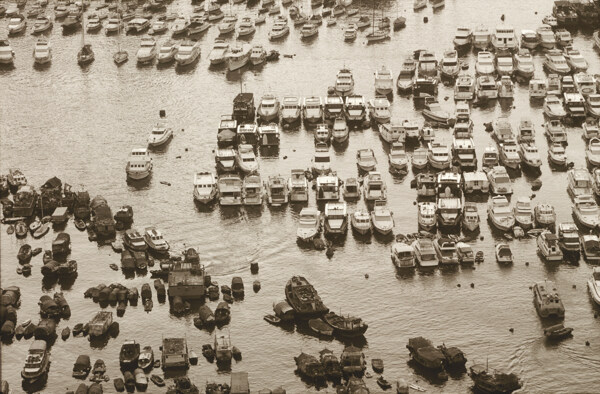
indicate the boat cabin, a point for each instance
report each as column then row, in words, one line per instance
column 426, row 185
column 464, row 88
column 174, row 354
column 486, row 87
column 328, row 188
column 243, row 108
column 225, row 159
column 475, row 182
column 334, row 107
column 537, row 89
column 247, row 133
column 449, row 185
column 298, row 186
column 230, row 190
column 575, row 105
column 463, row 152
column 269, row 135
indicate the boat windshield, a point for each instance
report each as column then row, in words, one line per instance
column 596, row 275
column 322, row 159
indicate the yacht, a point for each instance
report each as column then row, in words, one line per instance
column 462, row 37
column 252, row 190
column 291, row 110
column 167, row 52
column 339, row 132
column 7, row 55
column 486, row 88
column 411, row 129
column 198, row 24
column 136, row 25
column 557, row 155
column 277, row 190
column 403, row 255
column 590, row 246
column 553, row 107
column 391, row 133
column 575, row 60
column 238, row 56
column 427, row 65
column 434, row 112
column 524, row 66
column 504, row 65
column 379, row 109
column 445, row 250
column 384, row 81
column 230, row 189
column 322, row 134
column 594, row 285
column 365, row 159
column 344, row 83
column 180, row 26
column 321, row 162
column 579, row 182
column 593, row 152
column 351, row 189
column 526, row 131
column 155, row 241
column 397, row 158
column 555, row 132
column 269, row 135
column 159, row 26
column 529, row 39
column 16, row 25
column 464, row 88
column 309, row 224
column 37, row 362
column 439, row 155
column 246, row 159
column 425, row 252
column 481, row 38
column 449, row 66
column 463, row 153
column 355, row 109
column 530, row 156
column 490, row 157
column 568, row 238
column 563, row 37
column 545, row 37
column 188, row 53
column 374, row 187
column 41, row 24
column 470, row 220
column 258, row 55
column 336, row 218
column 219, row 52
column 586, row 211
column 484, row 64
column 502, row 130
column 139, row 165
column 382, row 218
column 504, row 38
column 506, row 87
column 591, row 128
column 225, row 160
column 350, row 32
column 309, row 30
column 160, row 134
column 113, row 25
column 545, row 216
column 509, row 154
column 227, row 25
column 298, row 186
column 426, row 216
column 556, row 63
column 42, row 52
column 585, row 84
column 147, row 52
column 500, row 213
column 499, row 181
column 205, row 187
column 312, row 110
column 268, row 108
column 592, row 104
column 405, row 80
column 419, row 158
column 279, row 30
column 546, row 300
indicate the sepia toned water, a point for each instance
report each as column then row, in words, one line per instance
column 81, row 124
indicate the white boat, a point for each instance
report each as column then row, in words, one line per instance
column 167, row 52
column 592, row 153
column 391, row 133
column 434, row 112
column 355, row 109
column 269, row 135
column 563, row 37
column 336, row 218
column 397, row 158
column 509, row 154
column 419, row 4
column 579, row 182
column 384, row 81
column 449, row 66
column 575, row 60
column 504, row 65
column 419, row 158
column 139, row 165
column 277, row 190
column 374, row 187
column 557, row 155
column 219, row 52
column 550, row 20
column 530, row 156
column 365, row 159
column 278, row 31
column 199, row 24
column 268, row 108
column 188, row 53
column 592, row 105
column 298, row 186
column 591, row 129
column 238, row 56
column 312, row 110
column 568, row 238
column 590, row 246
column 225, row 159
column 426, row 216
column 555, row 132
column 486, row 88
column 439, row 155
column 361, row 222
column 42, row 52
column 309, row 224
column 291, row 110
column 180, row 26
column 340, row 132
column 500, row 213
column 546, row 37
column 503, row 254
column 309, row 30
column 464, row 88
column 485, row 64
column 378, row 35
column 382, row 218
column 147, row 52
column 504, row 38
column 321, row 161
column 246, row 27
column 252, row 193
column 258, row 55
column 425, row 252
column 445, row 250
column 155, row 241
column 205, row 187
column 524, row 66
column 553, row 107
column 545, row 216
column 113, row 25
column 403, row 255
column 137, row 25
column 41, row 24
column 230, row 189
column 344, row 82
column 499, row 181
column 470, row 220
column 246, row 159
column 596, row 180
column 586, row 211
column 379, row 109
column 462, row 37
column 426, row 134
column 556, row 63
column 227, row 25
column 7, row 55
column 17, row 25
column 161, row 133
column 594, row 285
column 350, row 32
column 158, row 27
column 481, row 38
column 529, row 39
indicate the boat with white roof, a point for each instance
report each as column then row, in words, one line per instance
column 161, row 132
column 230, row 189
column 309, row 224
column 361, row 222
column 246, row 159
column 205, row 187
column 336, row 218
column 298, row 186
column 382, row 218
column 500, row 213
column 291, row 110
column 252, row 192
column 425, row 252
column 139, row 165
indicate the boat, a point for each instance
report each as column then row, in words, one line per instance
column 382, row 218
column 529, row 40
column 548, row 246
column 575, row 105
column 227, row 24
column 331, row 365
column 346, row 326
column 426, row 185
column 148, row 51
column 374, row 187
column 419, row 158
column 223, row 349
column 258, row 55
column 319, row 327
column 82, row 367
column 361, row 222
column 41, row 24
column 137, row 25
column 298, row 186
column 252, row 189
column 146, row 358
column 558, row 331
column 493, row 382
column 557, row 155
column 7, row 55
column 139, row 164
column 353, row 362
column 462, row 37
column 277, row 190
column 590, row 246
column 504, row 65
column 205, row 187
column 187, row 53
column 279, row 30
column 546, row 300
column 439, row 155
column 167, row 52
column 355, row 110
column 155, row 240
column 133, row 240
column 445, row 250
column 180, row 26
column 350, row 32
column 524, row 66
column 227, row 131
column 333, row 108
column 269, row 135
column 503, row 254
column 397, row 158
column 239, row 56
column 344, row 82
column 268, row 108
column 426, row 216
column 161, row 132
column 470, row 220
column 312, row 110
column 422, row 351
column 230, row 189
column 568, row 238
column 526, row 131
column 303, row 298
column 579, row 182
column 309, row 224
column 586, row 211
column 506, row 87
column 449, row 66
column 405, row 80
column 321, row 162
column 37, row 362
column 523, row 213
column 339, row 131
column 500, row 213
column 504, row 39
column 309, row 367
column 42, row 52
column 553, row 108
column 199, row 24
column 509, row 154
column 403, row 255
column 384, row 81
column 247, row 133
column 128, row 356
column 575, row 60
column 556, row 63
column 593, row 152
column 246, row 27
column 246, row 159
column 425, row 253
column 546, row 37
column 563, row 37
column 594, row 285
column 309, row 30
column 484, row 64
column 225, row 159
column 550, row 20
column 336, row 218
column 486, row 87
column 365, row 159
column 419, row 4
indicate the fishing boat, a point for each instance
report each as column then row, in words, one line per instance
column 139, row 165
column 492, row 381
column 503, row 254
column 546, row 300
column 187, row 53
column 434, row 112
column 303, row 298
column 37, row 362
column 547, row 244
column 205, row 187
column 309, row 367
column 422, row 351
column 336, row 218
column 309, row 224
column 230, row 189
column 346, row 326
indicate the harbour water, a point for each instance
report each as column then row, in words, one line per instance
column 80, row 125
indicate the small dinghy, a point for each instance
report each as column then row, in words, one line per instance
column 272, row 319
column 320, row 327
column 37, row 223
column 26, row 270
column 157, row 380
column 21, row 229
column 80, row 225
column 66, row 333
column 43, row 230
column 377, row 365
column 10, row 230
column 148, row 305
column 19, row 270
column 114, row 267
column 193, row 358
column 558, row 331
column 24, row 254
column 77, row 329
column 384, row 384
column 36, row 251
column 236, row 353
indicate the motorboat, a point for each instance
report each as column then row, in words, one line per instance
column 355, row 109
column 309, row 30
column 590, row 246
column 37, row 362
column 361, row 222
column 523, row 213
column 449, row 211
column 504, row 39
column 188, row 53
column 155, row 241
column 291, row 110
column 277, row 190
column 227, row 24
column 199, row 24
column 336, row 218
column 219, row 52
column 439, row 155
column 42, row 52
column 167, row 52
column 481, row 38
column 586, row 211
column 426, row 185
column 333, row 107
column 529, row 39
column 148, row 51
column 309, row 224
column 538, row 89
column 550, row 20
column 556, row 63
column 344, row 82
column 405, row 80
column 397, row 158
column 160, row 134
column 554, row 85
column 321, row 162
column 425, row 252
column 269, row 135
column 504, row 65
column 378, row 35
column 113, row 25
column 530, row 156
column 524, row 66
column 464, row 89
column 596, row 179
column 268, row 108
column 585, row 84
column 557, row 155
column 258, row 55
column 278, row 31
column 239, row 56
column 427, row 65
column 568, row 237
column 322, row 134
column 592, row 153
column 252, row 193
column 205, row 187
column 426, row 134
column 575, row 60
column 137, row 25
column 553, row 108
column 215, row 14
column 509, row 154
column 500, row 213
column 298, row 186
column 563, row 37
column 41, row 24
column 312, row 110
column 486, row 88
column 339, row 131
column 449, row 66
column 555, row 132
column 230, row 189
column 94, row 23
column 379, row 109
column 546, row 300
column 351, row 189
column 485, row 64
column 526, row 131
column 470, row 219
column 350, row 32
column 465, row 253
column 445, row 250
column 546, row 37
column 374, row 187
column 139, row 165
column 426, row 216
column 579, row 182
column 503, row 254
column 506, row 87
column 545, row 216
column 180, row 26
column 7, row 55
column 434, row 112
column 225, row 159
column 365, row 160
column 403, row 255
column 246, row 159
column 382, row 218
column 384, row 81
column 462, row 37
column 594, row 285
column 420, row 158
column 17, row 25
column 475, row 182
column 419, row 4
column 575, row 106
column 437, row 4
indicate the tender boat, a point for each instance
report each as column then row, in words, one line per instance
column 445, row 250
column 594, row 285
column 268, row 108
column 309, row 224
column 336, row 218
column 523, row 212
column 219, row 52
column 188, row 53
column 426, row 216
column 449, row 66
column 403, row 255
column 361, row 222
column 147, row 52
column 382, row 218
column 557, row 155
column 252, row 190
column 379, row 110
column 590, row 246
column 239, row 56
column 548, row 247
column 365, row 160
column 425, row 252
column 258, row 55
column 42, row 53
column 579, row 182
column 37, row 362
column 230, row 189
column 374, row 187
column 246, row 159
column 553, row 108
column 547, row 301
column 161, row 132
column 139, row 165
column 586, row 211
column 384, row 81
column 321, row 162
column 397, row 158
column 339, row 131
column 439, row 155
column 470, row 220
column 555, row 132
column 312, row 110
column 500, row 213
column 277, row 190
column 484, row 64
column 503, row 254
column 524, row 66
column 155, row 240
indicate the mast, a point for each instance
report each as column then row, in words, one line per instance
column 119, row 27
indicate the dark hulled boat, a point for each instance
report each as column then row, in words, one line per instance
column 455, row 358
column 331, row 365
column 495, row 382
column 303, row 297
column 423, row 352
column 309, row 367
column 347, row 326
